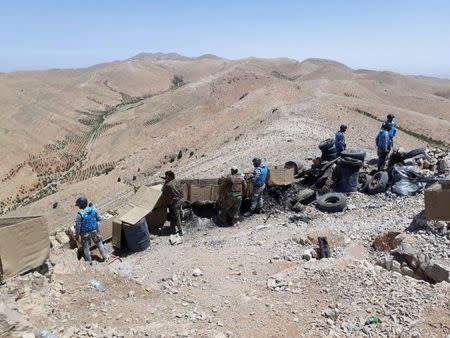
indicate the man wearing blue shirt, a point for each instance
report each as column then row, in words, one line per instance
column 339, row 140
column 259, row 185
column 392, row 131
column 86, row 227
column 384, row 145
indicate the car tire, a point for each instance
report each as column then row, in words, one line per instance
column 379, row 183
column 364, row 182
column 356, row 154
column 332, row 202
column 327, row 144
column 306, row 196
column 329, row 158
column 351, row 162
column 415, row 152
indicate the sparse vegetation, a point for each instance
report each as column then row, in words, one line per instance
column 243, row 95
column 348, row 94
column 445, row 95
column 422, row 137
column 62, row 161
column 279, row 75
column 177, row 81
column 91, row 171
column 153, row 120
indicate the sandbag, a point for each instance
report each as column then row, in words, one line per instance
column 405, row 181
column 137, row 236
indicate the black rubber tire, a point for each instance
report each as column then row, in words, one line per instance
column 364, row 180
column 356, row 154
column 298, row 166
column 415, row 152
column 306, row 195
column 351, row 162
column 379, row 183
column 330, row 152
column 328, row 158
column 332, row 202
column 327, row 144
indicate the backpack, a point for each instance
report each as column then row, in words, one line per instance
column 262, row 178
column 88, row 220
column 381, row 139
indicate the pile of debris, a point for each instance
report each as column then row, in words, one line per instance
column 430, row 162
column 435, row 227
column 405, row 256
column 327, row 182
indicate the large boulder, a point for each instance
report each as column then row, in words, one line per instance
column 62, row 238
column 408, row 248
column 437, row 271
column 386, row 241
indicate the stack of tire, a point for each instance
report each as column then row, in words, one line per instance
column 329, row 151
column 347, row 170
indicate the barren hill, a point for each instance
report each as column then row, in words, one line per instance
column 67, row 132
column 105, row 130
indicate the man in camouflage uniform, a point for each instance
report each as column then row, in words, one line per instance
column 233, row 186
column 172, row 192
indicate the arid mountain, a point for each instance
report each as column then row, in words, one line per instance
column 100, row 131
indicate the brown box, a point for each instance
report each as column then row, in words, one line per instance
column 207, row 189
column 145, row 203
column 437, row 203
column 280, row 176
column 24, row 244
column 199, row 193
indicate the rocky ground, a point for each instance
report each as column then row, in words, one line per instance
column 255, row 279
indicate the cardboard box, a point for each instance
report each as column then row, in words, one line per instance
column 437, row 202
column 280, row 176
column 24, row 244
column 199, row 193
column 146, row 203
column 201, row 189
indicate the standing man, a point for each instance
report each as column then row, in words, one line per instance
column 391, row 122
column 86, row 227
column 383, row 145
column 173, row 198
column 234, row 186
column 339, row 140
column 259, row 184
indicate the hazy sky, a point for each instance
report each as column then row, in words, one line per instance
column 410, row 37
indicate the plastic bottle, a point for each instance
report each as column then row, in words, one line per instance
column 373, row 320
column 46, row 334
column 98, row 286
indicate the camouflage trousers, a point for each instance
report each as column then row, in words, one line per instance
column 229, row 213
column 86, row 238
column 382, row 158
column 175, row 216
column 257, row 197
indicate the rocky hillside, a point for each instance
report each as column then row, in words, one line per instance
column 105, row 130
column 119, row 125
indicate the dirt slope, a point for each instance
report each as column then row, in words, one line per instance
column 64, row 127
column 104, row 130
